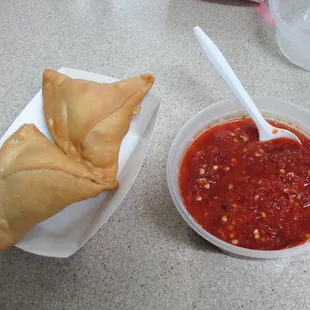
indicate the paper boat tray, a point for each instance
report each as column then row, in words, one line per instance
column 64, row 233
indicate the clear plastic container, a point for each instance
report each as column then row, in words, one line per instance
column 291, row 114
column 292, row 19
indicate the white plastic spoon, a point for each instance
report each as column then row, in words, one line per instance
column 265, row 130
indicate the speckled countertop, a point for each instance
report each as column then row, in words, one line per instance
column 146, row 257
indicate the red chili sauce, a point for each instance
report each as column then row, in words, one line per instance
column 252, row 194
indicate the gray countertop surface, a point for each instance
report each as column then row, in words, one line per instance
column 146, row 256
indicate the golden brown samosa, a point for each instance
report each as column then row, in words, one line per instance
column 88, row 120
column 37, row 180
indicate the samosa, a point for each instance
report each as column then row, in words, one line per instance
column 37, row 180
column 88, row 120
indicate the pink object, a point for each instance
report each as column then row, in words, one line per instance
column 263, row 10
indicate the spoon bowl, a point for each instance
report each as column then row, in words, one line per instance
column 276, row 133
column 266, row 131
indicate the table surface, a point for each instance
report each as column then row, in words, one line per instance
column 146, row 256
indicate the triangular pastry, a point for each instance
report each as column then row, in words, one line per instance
column 88, row 120
column 37, row 180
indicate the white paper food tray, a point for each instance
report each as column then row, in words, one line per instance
column 64, row 233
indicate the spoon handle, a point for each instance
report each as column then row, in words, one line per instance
column 224, row 69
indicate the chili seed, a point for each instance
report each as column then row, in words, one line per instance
column 234, row 241
column 215, row 167
column 263, row 214
column 207, row 185
column 230, row 186
column 232, row 134
column 256, row 197
column 282, row 171
column 202, row 171
column 224, row 218
column 202, row 181
column 198, row 198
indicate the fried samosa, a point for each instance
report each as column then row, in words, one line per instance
column 88, row 120
column 37, row 180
